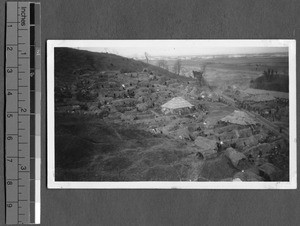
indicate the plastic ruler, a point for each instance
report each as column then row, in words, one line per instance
column 22, row 112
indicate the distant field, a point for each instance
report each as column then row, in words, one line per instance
column 238, row 71
column 268, row 92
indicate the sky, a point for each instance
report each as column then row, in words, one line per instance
column 177, row 51
column 137, row 48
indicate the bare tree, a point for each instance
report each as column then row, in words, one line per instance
column 177, row 66
column 199, row 75
column 147, row 57
column 163, row 64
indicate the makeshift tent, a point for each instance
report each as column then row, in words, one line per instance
column 177, row 103
column 254, row 151
column 206, row 146
column 183, row 133
column 239, row 117
column 234, row 156
column 269, row 171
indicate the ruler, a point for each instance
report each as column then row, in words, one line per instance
column 22, row 113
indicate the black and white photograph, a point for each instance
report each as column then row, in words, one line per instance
column 190, row 114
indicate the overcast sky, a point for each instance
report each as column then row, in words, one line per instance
column 181, row 51
column 135, row 48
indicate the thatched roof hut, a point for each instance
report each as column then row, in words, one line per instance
column 177, row 103
column 206, row 146
column 269, row 171
column 239, row 117
column 234, row 156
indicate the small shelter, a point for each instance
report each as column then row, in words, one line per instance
column 207, row 147
column 269, row 172
column 177, row 105
column 239, row 117
column 234, row 156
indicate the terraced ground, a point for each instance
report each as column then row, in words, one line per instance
column 109, row 125
column 92, row 149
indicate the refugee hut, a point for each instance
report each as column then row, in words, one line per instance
column 234, row 156
column 269, row 172
column 206, row 146
column 177, row 105
column 239, row 117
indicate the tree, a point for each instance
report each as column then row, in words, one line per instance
column 199, row 75
column 177, row 66
column 163, row 64
column 147, row 57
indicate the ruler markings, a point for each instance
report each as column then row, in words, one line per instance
column 18, row 103
column 22, row 47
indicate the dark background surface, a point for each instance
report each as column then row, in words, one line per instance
column 146, row 19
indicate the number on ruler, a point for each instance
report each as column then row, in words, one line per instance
column 9, row 138
column 9, row 115
column 9, row 48
column 23, row 109
column 9, row 70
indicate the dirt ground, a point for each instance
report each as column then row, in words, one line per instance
column 115, row 130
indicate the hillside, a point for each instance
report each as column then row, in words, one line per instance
column 70, row 63
column 110, row 123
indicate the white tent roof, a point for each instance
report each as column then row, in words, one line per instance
column 234, row 156
column 205, row 143
column 239, row 117
column 176, row 103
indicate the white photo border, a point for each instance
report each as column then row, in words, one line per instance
column 292, row 184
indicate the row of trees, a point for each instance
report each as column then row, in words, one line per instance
column 176, row 67
column 164, row 64
column 270, row 74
